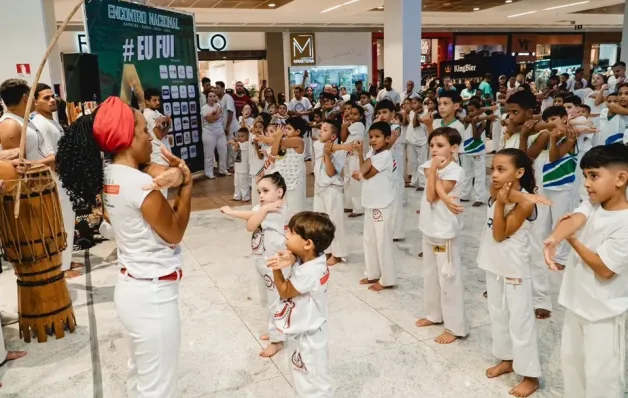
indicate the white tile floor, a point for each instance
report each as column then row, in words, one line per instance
column 375, row 348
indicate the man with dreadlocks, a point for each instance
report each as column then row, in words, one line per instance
column 147, row 232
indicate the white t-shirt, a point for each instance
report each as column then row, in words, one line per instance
column 416, row 135
column 378, row 191
column 511, row 257
column 436, row 220
column 228, row 105
column 256, row 165
column 456, row 124
column 391, row 95
column 37, row 147
column 398, row 151
column 302, row 105
column 321, row 177
column 151, row 117
column 214, row 128
column 270, row 235
column 308, row 311
column 356, row 132
column 140, row 250
column 248, row 122
column 49, row 128
column 241, row 165
column 368, row 116
column 612, row 129
column 605, row 233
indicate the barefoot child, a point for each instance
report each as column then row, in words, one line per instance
column 440, row 225
column 377, row 198
column 328, row 165
column 504, row 254
column 416, row 143
column 267, row 221
column 241, row 179
column 302, row 312
column 594, row 289
column 352, row 131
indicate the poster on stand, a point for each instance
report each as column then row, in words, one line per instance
column 142, row 47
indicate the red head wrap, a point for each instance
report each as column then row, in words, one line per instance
column 114, row 125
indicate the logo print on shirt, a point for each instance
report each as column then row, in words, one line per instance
column 285, row 314
column 257, row 241
column 111, row 189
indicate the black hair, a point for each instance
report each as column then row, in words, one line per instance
column 605, row 156
column 12, row 91
column 565, row 74
column 220, row 84
column 243, row 130
column 522, row 161
column 620, row 63
column 623, row 85
column 358, row 82
column 266, row 118
column 328, row 96
column 573, row 99
column 41, row 87
column 587, row 107
column 299, row 88
column 365, row 93
column 452, row 94
column 318, row 112
column 335, row 124
column 358, row 107
column 388, row 78
column 383, row 127
column 313, row 226
column 525, row 87
column 205, row 80
column 524, row 99
column 385, row 104
column 474, row 103
column 552, row 111
column 298, row 124
column 451, row 135
column 79, row 163
column 488, row 76
column 149, row 93
column 559, row 95
column 277, row 180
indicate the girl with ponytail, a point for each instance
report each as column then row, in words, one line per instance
column 147, row 231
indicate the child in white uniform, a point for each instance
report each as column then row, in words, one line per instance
column 473, row 155
column 256, row 158
column 241, row 179
column 440, row 225
column 365, row 101
column 448, row 105
column 302, row 312
column 612, row 124
column 416, row 146
column 595, row 284
column 377, row 198
column 267, row 222
column 246, row 119
column 353, row 131
column 504, row 254
column 328, row 164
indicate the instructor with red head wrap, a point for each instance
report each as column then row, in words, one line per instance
column 147, row 231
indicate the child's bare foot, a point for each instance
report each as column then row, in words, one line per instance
column 331, row 260
column 13, row 355
column 264, row 337
column 559, row 266
column 70, row 273
column 500, row 369
column 366, row 281
column 542, row 313
column 445, row 338
column 271, row 350
column 377, row 287
column 526, row 388
column 426, row 322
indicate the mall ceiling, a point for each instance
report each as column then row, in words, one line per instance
column 438, row 15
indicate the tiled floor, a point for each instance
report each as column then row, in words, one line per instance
column 375, row 348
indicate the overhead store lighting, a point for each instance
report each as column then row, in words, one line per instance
column 523, row 13
column 476, row 9
column 566, row 5
column 338, row 6
column 272, row 5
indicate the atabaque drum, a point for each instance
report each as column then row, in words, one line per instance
column 33, row 243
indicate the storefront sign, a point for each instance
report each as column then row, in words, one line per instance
column 464, row 68
column 140, row 47
column 302, row 49
column 475, row 68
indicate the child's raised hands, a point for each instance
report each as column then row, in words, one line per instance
column 283, row 259
column 502, row 195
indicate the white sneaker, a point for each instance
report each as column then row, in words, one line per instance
column 8, row 318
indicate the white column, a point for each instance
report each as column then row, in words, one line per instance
column 27, row 27
column 624, row 37
column 402, row 42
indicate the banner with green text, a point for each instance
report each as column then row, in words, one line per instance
column 142, row 47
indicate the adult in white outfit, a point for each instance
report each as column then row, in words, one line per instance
column 158, row 126
column 147, row 232
column 214, row 136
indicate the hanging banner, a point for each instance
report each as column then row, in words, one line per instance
column 142, row 47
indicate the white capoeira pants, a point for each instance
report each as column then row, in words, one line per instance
column 541, row 298
column 378, row 245
column 474, row 177
column 3, row 350
column 398, row 209
column 242, row 187
column 593, row 356
column 69, row 220
column 416, row 155
column 329, row 200
column 211, row 142
column 308, row 359
column 307, row 139
column 254, row 193
column 268, row 297
column 562, row 203
column 514, row 323
column 353, row 187
column 443, row 295
column 149, row 311
column 496, row 137
column 295, row 199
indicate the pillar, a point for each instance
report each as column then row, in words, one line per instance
column 624, row 37
column 402, row 42
column 276, row 70
column 25, row 39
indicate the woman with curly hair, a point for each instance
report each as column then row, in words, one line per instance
column 147, row 231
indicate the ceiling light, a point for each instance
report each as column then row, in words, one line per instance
column 566, row 5
column 476, row 9
column 380, row 7
column 272, row 5
column 339, row 5
column 523, row 13
column 508, row 1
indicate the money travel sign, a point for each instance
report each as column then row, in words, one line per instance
column 141, row 47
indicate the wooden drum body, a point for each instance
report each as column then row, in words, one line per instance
column 33, row 243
